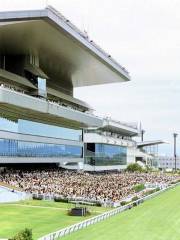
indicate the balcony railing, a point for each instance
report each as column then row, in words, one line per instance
column 58, row 103
column 131, row 125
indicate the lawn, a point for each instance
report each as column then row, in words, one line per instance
column 156, row 219
column 42, row 217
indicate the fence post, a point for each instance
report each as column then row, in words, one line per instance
column 101, row 217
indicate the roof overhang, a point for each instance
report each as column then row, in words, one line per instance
column 143, row 154
column 63, row 49
column 150, row 143
column 119, row 127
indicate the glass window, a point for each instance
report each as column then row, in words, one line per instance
column 8, row 125
column 40, row 129
column 17, row 148
column 42, row 87
column 105, row 154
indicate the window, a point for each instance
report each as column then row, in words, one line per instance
column 42, row 87
column 10, row 148
column 40, row 129
column 105, row 154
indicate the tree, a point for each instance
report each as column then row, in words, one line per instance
column 134, row 167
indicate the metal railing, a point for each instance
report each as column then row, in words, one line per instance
column 75, row 227
column 133, row 125
column 57, row 103
column 51, row 197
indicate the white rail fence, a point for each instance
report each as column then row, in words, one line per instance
column 75, row 227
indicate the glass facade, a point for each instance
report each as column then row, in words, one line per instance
column 40, row 129
column 7, row 125
column 15, row 148
column 105, row 154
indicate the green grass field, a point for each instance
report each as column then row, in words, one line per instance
column 42, row 217
column 156, row 219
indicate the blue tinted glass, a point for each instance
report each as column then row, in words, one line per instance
column 8, row 125
column 41, row 129
column 32, row 149
column 107, row 155
column 42, row 87
column 42, row 84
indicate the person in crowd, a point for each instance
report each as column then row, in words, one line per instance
column 103, row 187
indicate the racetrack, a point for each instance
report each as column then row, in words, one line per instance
column 155, row 219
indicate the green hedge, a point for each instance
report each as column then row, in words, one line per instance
column 59, row 199
column 139, row 188
column 123, row 203
column 134, row 167
column 134, row 199
column 152, row 191
column 65, row 200
column 26, row 234
column 37, row 197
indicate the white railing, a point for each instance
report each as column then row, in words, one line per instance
column 51, row 197
column 60, row 104
column 131, row 125
column 73, row 228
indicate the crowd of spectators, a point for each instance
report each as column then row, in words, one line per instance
column 112, row 186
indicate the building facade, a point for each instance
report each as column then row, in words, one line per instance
column 147, row 152
column 166, row 162
column 43, row 57
column 111, row 146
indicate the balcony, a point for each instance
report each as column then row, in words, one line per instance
column 102, row 138
column 127, row 129
column 15, row 105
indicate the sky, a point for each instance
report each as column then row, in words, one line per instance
column 143, row 36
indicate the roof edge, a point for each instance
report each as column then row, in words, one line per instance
column 62, row 22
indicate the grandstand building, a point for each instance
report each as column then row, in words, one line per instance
column 147, row 152
column 110, row 146
column 43, row 57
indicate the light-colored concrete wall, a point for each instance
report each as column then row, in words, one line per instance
column 88, row 167
column 5, row 160
column 45, row 111
column 97, row 138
